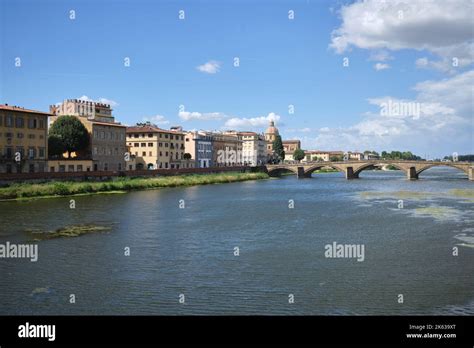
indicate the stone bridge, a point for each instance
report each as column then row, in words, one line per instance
column 352, row 169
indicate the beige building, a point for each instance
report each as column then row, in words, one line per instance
column 290, row 146
column 70, row 165
column 23, row 140
column 107, row 146
column 254, row 148
column 156, row 148
column 227, row 149
column 322, row 156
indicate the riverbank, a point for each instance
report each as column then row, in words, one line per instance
column 57, row 189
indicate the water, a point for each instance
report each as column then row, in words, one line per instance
column 191, row 251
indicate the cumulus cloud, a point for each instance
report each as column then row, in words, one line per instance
column 249, row 123
column 206, row 116
column 157, row 119
column 381, row 66
column 445, row 119
column 211, row 67
column 441, row 27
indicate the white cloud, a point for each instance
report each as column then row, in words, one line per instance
column 441, row 27
column 207, row 116
column 249, row 123
column 211, row 67
column 299, row 130
column 157, row 119
column 381, row 66
column 444, row 125
column 380, row 56
column 112, row 103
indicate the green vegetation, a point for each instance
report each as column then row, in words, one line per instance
column 67, row 134
column 397, row 155
column 68, row 231
column 52, row 189
column 298, row 155
column 469, row 158
column 278, row 150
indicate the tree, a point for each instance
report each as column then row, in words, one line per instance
column 55, row 146
column 278, row 148
column 72, row 134
column 298, row 155
column 187, row 156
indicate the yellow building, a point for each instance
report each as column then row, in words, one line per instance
column 270, row 135
column 107, row 147
column 70, row 165
column 23, row 140
column 289, row 146
column 156, row 148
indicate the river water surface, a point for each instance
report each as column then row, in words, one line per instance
column 408, row 229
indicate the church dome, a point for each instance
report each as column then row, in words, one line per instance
column 272, row 129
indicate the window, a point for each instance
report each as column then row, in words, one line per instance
column 9, row 121
column 70, row 168
column 96, row 134
column 150, row 154
column 62, row 168
column 166, row 144
column 143, row 144
column 150, row 144
column 79, row 168
column 171, row 136
column 19, row 122
column 166, row 153
column 32, row 168
column 166, row 136
column 166, row 165
column 150, row 135
column 32, row 123
column 31, row 153
column 95, row 152
column 160, row 144
column 106, row 166
column 20, row 135
column 135, row 135
column 144, row 153
column 41, row 123
column 31, row 136
column 120, row 166
column 136, row 145
column 41, row 151
column 161, row 153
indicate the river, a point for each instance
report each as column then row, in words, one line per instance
column 408, row 230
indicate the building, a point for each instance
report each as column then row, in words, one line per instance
column 290, row 146
column 107, row 147
column 270, row 135
column 156, row 148
column 70, row 165
column 227, row 149
column 355, row 156
column 254, row 148
column 200, row 146
column 23, row 140
column 323, row 156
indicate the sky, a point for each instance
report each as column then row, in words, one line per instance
column 339, row 75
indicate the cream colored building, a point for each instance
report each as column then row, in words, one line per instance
column 23, row 140
column 70, row 165
column 227, row 149
column 156, row 148
column 322, row 156
column 270, row 135
column 254, row 148
column 107, row 146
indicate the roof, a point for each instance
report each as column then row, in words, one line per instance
column 152, row 129
column 291, row 141
column 20, row 109
column 108, row 124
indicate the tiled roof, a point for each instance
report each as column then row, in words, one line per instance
column 20, row 109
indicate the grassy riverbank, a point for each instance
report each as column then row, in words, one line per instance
column 54, row 189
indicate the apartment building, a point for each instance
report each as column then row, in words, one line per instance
column 199, row 145
column 254, row 148
column 227, row 149
column 107, row 145
column 23, row 140
column 156, row 148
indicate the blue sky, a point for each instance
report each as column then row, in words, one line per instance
column 282, row 62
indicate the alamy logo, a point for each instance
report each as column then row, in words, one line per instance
column 28, row 251
column 37, row 331
column 348, row 251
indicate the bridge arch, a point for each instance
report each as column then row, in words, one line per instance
column 373, row 165
column 447, row 164
column 315, row 167
column 276, row 171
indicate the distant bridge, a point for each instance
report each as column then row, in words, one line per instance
column 352, row 169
